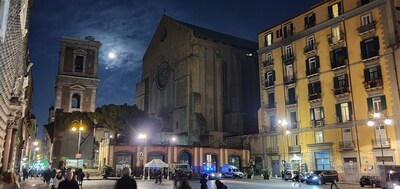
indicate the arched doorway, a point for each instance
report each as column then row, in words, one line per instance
column 123, row 160
column 235, row 161
column 210, row 162
column 185, row 157
column 156, row 155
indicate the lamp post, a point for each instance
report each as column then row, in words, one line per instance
column 284, row 125
column 378, row 122
column 78, row 126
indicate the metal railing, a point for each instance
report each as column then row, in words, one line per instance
column 376, row 143
column 341, row 90
column 337, row 64
column 273, row 150
column 317, row 123
column 310, row 48
column 267, row 63
column 291, row 101
column 290, row 79
column 347, row 145
column 312, row 71
column 373, row 83
column 314, row 96
column 367, row 27
column 288, row 58
column 332, row 39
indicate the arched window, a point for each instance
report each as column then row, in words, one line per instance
column 185, row 157
column 79, row 64
column 76, row 101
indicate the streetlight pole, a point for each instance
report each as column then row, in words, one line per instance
column 284, row 124
column 80, row 129
column 377, row 122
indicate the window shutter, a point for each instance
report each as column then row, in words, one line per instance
column 363, row 50
column 378, row 68
column 344, row 52
column 313, row 19
column 346, row 80
column 383, row 101
column 310, row 89
column 291, row 29
column 285, row 32
column 335, row 82
column 272, row 37
column 332, row 55
column 318, row 86
column 350, row 111
column 322, row 113
column 312, row 114
column 376, row 43
column 317, row 61
column 266, row 76
column 370, row 106
column 330, row 12
column 339, row 112
column 366, row 75
column 277, row 33
column 306, row 22
column 307, row 67
column 273, row 75
column 340, row 8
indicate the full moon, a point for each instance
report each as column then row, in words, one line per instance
column 111, row 55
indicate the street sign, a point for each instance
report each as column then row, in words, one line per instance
column 351, row 163
column 78, row 156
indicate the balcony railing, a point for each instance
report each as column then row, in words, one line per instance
column 291, row 101
column 269, row 84
column 367, row 28
column 310, row 48
column 347, row 145
column 370, row 55
column 314, row 96
column 341, row 90
column 317, row 123
column 267, row 63
column 290, row 79
column 332, row 39
column 294, row 149
column 239, row 145
column 373, row 84
column 384, row 143
column 338, row 64
column 273, row 150
column 310, row 72
column 288, row 58
column 271, row 105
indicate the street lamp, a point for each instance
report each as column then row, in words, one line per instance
column 378, row 122
column 78, row 126
column 284, row 125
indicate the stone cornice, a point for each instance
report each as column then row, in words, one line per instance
column 326, row 24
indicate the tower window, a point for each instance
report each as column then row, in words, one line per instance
column 79, row 64
column 76, row 101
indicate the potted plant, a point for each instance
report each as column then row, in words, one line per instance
column 265, row 174
column 250, row 173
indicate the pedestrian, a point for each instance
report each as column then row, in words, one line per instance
column 220, row 185
column 24, row 173
column 69, row 182
column 203, row 182
column 57, row 180
column 159, row 177
column 79, row 176
column 126, row 182
column 183, row 184
column 9, row 181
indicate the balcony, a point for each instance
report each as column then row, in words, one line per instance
column 367, row 28
column 377, row 144
column 347, row 145
column 317, row 123
column 310, row 49
column 339, row 64
column 341, row 91
column 295, row 149
column 376, row 84
column 291, row 101
column 372, row 55
column 273, row 150
column 334, row 40
column 269, row 84
column 290, row 79
column 288, row 58
column 312, row 72
column 315, row 96
column 267, row 63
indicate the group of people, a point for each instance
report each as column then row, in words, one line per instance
column 66, row 179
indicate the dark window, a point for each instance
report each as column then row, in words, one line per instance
column 370, row 48
column 309, row 21
column 269, row 78
column 338, row 57
column 292, row 95
column 76, row 101
column 312, row 65
column 279, row 33
column 335, row 10
column 272, row 123
column 373, row 74
column 314, row 90
column 79, row 64
column 341, row 84
column 271, row 100
column 288, row 30
column 293, row 119
column 363, row 2
column 376, row 104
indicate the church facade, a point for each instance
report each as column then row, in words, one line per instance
column 201, row 84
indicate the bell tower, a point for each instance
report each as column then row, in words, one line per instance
column 77, row 79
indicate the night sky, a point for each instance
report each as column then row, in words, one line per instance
column 126, row 27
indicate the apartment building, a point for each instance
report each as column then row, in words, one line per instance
column 329, row 88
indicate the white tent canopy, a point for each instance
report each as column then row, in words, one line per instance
column 156, row 163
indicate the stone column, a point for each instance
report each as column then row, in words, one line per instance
column 7, row 147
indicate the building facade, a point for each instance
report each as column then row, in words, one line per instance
column 323, row 75
column 15, row 82
column 199, row 83
column 76, row 88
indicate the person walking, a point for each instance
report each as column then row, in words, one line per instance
column 9, row 181
column 220, row 185
column 69, row 182
column 79, row 176
column 57, row 180
column 126, row 182
column 203, row 182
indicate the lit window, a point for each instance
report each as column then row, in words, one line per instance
column 366, row 19
column 319, row 137
column 268, row 39
column 310, row 41
column 345, row 113
column 334, row 10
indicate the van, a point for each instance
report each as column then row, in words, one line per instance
column 231, row 171
column 180, row 170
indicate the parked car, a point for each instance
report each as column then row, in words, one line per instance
column 214, row 176
column 322, row 177
column 303, row 176
column 231, row 172
column 372, row 181
column 290, row 175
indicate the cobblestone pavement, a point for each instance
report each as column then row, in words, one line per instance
column 232, row 184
